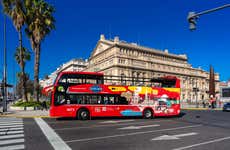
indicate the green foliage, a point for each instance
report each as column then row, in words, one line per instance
column 24, row 52
column 27, row 104
column 30, row 104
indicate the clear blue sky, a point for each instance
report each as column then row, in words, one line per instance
column 159, row 24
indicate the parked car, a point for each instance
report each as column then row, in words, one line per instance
column 226, row 107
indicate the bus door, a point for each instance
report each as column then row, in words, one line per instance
column 62, row 105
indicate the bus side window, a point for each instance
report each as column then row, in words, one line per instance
column 106, row 100
column 123, row 100
column 60, row 99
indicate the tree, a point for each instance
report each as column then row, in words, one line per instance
column 40, row 22
column 15, row 9
column 20, row 83
column 26, row 57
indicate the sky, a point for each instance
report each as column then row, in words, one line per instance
column 159, row 24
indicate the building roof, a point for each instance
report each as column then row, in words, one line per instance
column 124, row 44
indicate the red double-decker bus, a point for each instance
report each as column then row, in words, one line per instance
column 84, row 95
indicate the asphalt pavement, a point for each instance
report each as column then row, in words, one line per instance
column 198, row 130
column 194, row 130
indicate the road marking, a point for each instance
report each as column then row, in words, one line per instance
column 6, row 124
column 10, row 132
column 173, row 137
column 13, row 121
column 138, row 127
column 10, row 129
column 10, row 119
column 116, row 121
column 111, row 125
column 11, row 141
column 13, row 147
column 11, row 136
column 203, row 143
column 11, row 126
column 52, row 136
column 129, row 134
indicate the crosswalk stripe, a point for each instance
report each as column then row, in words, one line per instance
column 11, row 136
column 13, row 147
column 3, row 142
column 10, row 118
column 11, row 129
column 2, row 121
column 10, row 132
column 6, row 124
column 11, row 126
column 14, row 119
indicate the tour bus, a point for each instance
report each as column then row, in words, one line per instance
column 84, row 95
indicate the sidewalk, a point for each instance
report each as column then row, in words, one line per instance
column 187, row 106
column 25, row 113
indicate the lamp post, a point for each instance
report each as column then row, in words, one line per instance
column 4, row 92
column 195, row 90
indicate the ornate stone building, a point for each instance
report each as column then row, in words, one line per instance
column 72, row 65
column 139, row 64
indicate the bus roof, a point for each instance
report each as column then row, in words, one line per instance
column 77, row 72
column 162, row 79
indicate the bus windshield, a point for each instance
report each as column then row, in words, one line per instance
column 74, row 79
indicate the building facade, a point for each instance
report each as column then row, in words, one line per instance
column 72, row 65
column 139, row 63
column 225, row 91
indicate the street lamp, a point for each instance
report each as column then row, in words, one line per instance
column 4, row 91
column 192, row 16
column 195, row 90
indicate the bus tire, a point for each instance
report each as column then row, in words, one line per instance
column 148, row 114
column 83, row 114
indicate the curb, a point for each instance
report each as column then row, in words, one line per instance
column 200, row 109
column 21, row 116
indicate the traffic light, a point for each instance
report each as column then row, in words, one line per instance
column 192, row 20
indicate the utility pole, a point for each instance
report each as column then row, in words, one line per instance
column 4, row 93
column 192, row 16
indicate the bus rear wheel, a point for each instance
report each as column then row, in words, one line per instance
column 148, row 114
column 83, row 114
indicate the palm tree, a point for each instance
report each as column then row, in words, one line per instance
column 23, row 77
column 19, row 82
column 40, row 22
column 15, row 9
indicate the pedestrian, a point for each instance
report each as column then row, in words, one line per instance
column 212, row 101
column 44, row 106
column 219, row 104
column 204, row 105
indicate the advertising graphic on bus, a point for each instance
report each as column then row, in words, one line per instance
column 84, row 95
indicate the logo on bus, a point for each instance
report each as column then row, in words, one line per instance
column 96, row 89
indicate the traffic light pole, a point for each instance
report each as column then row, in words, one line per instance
column 192, row 16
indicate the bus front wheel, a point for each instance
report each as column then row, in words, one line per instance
column 83, row 114
column 148, row 114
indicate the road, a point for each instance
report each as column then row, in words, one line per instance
column 195, row 130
